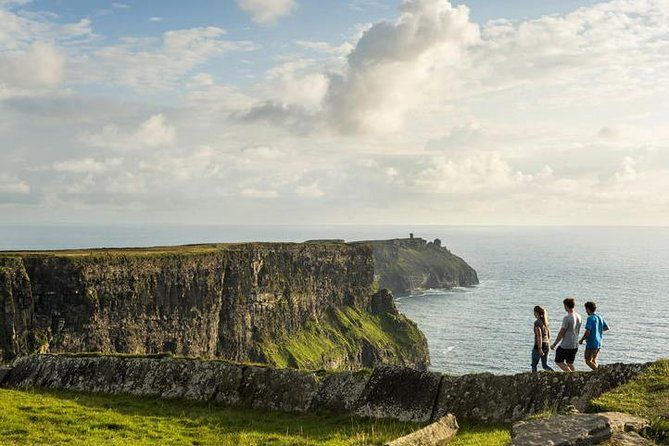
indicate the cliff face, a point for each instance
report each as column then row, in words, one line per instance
column 407, row 265
column 299, row 305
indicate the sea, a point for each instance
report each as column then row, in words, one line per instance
column 486, row 328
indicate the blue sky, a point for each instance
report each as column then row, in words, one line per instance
column 332, row 21
column 355, row 111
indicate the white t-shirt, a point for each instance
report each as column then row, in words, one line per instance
column 572, row 326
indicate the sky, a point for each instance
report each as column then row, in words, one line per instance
column 537, row 112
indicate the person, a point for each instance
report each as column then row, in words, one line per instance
column 595, row 326
column 542, row 339
column 567, row 338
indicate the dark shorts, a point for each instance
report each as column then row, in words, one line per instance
column 567, row 355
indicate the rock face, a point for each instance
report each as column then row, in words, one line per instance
column 388, row 392
column 577, row 430
column 407, row 265
column 298, row 305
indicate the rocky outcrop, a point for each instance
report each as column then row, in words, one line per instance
column 577, row 430
column 296, row 305
column 411, row 264
column 387, row 392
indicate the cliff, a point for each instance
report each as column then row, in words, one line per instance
column 411, row 264
column 296, row 305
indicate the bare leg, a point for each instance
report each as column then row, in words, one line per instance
column 591, row 359
column 563, row 366
column 571, row 367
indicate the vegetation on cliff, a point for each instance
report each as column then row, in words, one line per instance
column 349, row 336
column 411, row 264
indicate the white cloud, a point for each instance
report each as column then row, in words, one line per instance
column 267, row 11
column 259, row 193
column 155, row 132
column 12, row 185
column 39, row 67
column 87, row 165
column 148, row 64
column 310, row 191
column 155, row 19
column 392, row 63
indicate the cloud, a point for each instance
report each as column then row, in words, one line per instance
column 87, row 165
column 150, row 64
column 155, row 19
column 259, row 193
column 310, row 191
column 267, row 11
column 155, row 132
column 392, row 61
column 12, row 185
column 40, row 66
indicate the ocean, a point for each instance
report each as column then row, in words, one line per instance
column 487, row 328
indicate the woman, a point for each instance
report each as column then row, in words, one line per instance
column 542, row 339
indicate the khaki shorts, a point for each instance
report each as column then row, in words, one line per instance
column 591, row 354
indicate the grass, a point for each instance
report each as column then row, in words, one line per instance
column 338, row 337
column 193, row 249
column 647, row 397
column 58, row 418
column 482, row 435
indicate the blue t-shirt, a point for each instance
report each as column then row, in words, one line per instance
column 596, row 324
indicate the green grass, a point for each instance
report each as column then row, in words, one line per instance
column 647, row 397
column 334, row 340
column 58, row 418
column 482, row 435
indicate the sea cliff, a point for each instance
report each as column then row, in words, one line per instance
column 313, row 305
column 406, row 265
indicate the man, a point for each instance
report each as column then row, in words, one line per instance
column 595, row 327
column 567, row 338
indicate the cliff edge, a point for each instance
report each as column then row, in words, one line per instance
column 284, row 304
column 406, row 265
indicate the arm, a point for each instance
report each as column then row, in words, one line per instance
column 589, row 325
column 537, row 340
column 586, row 335
column 559, row 338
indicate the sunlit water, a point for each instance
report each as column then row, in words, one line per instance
column 483, row 329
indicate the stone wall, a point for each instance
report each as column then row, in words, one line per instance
column 213, row 301
column 386, row 392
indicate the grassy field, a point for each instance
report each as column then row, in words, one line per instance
column 59, row 418
column 55, row 418
column 646, row 396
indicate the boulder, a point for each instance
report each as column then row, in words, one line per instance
column 286, row 390
column 401, row 393
column 574, row 430
column 439, row 433
column 339, row 392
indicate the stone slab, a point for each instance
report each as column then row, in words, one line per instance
column 574, row 430
column 439, row 433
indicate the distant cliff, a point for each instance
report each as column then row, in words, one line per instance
column 410, row 264
column 298, row 305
